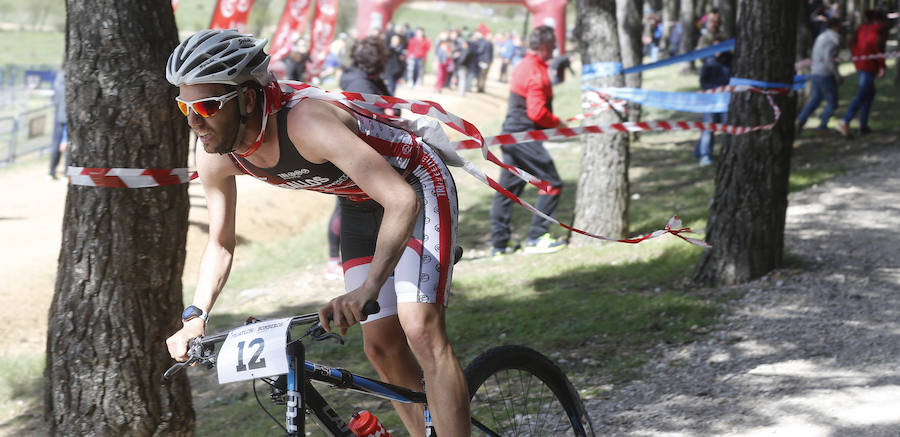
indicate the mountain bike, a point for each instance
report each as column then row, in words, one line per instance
column 514, row 390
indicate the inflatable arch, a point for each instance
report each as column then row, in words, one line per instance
column 374, row 14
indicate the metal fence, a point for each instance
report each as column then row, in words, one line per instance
column 26, row 111
column 25, row 133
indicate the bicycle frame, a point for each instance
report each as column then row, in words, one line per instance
column 301, row 393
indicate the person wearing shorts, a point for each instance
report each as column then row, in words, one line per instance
column 398, row 211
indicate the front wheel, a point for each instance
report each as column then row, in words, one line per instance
column 516, row 391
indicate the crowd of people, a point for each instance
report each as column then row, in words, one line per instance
column 460, row 57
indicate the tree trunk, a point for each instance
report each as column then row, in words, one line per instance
column 728, row 9
column 670, row 13
column 631, row 26
column 689, row 32
column 118, row 288
column 746, row 219
column 601, row 203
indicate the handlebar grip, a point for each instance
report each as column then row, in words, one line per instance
column 371, row 307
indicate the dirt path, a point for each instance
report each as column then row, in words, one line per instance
column 811, row 350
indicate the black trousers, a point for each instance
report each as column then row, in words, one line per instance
column 533, row 158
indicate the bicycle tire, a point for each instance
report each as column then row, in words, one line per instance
column 517, row 391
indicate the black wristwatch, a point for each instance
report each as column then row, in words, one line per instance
column 192, row 312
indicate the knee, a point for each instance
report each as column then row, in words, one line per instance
column 383, row 350
column 427, row 341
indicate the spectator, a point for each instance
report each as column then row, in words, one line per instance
column 59, row 123
column 369, row 56
column 716, row 72
column 395, row 65
column 443, row 63
column 824, row 76
column 506, row 48
column 465, row 61
column 869, row 39
column 655, row 31
column 416, row 53
column 484, row 51
column 518, row 50
column 295, row 64
column 530, row 107
column 712, row 30
column 675, row 38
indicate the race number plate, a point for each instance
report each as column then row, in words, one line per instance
column 254, row 351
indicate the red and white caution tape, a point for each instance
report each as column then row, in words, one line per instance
column 807, row 62
column 128, row 177
column 630, row 126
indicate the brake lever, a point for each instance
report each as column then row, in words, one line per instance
column 195, row 355
column 318, row 333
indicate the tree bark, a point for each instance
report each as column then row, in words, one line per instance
column 746, row 219
column 118, row 287
column 631, row 25
column 601, row 204
column 689, row 32
column 728, row 9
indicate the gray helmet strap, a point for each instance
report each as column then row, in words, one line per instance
column 243, row 117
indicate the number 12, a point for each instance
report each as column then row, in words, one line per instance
column 255, row 362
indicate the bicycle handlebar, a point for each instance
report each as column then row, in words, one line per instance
column 197, row 345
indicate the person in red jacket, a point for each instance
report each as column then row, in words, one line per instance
column 530, row 108
column 869, row 39
column 417, row 50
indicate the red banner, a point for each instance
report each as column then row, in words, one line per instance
column 322, row 34
column 231, row 14
column 290, row 28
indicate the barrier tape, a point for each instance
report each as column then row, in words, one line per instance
column 893, row 54
column 631, row 126
column 129, row 177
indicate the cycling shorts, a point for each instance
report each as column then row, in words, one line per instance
column 424, row 271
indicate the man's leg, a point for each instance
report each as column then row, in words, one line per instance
column 857, row 101
column 812, row 104
column 445, row 383
column 389, row 353
column 501, row 206
column 867, row 90
column 829, row 91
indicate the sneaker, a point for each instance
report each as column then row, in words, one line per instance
column 842, row 128
column 334, row 270
column 499, row 252
column 704, row 161
column 544, row 244
column 864, row 130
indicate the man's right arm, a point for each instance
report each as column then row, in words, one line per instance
column 217, row 175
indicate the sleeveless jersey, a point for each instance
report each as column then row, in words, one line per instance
column 399, row 148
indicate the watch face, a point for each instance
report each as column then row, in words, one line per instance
column 191, row 312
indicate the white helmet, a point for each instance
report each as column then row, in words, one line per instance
column 218, row 56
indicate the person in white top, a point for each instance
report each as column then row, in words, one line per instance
column 824, row 76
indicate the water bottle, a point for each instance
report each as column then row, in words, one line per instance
column 365, row 424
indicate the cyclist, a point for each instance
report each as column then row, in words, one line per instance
column 398, row 210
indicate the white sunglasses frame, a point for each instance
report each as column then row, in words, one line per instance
column 223, row 99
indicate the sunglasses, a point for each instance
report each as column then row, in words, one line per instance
column 205, row 107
